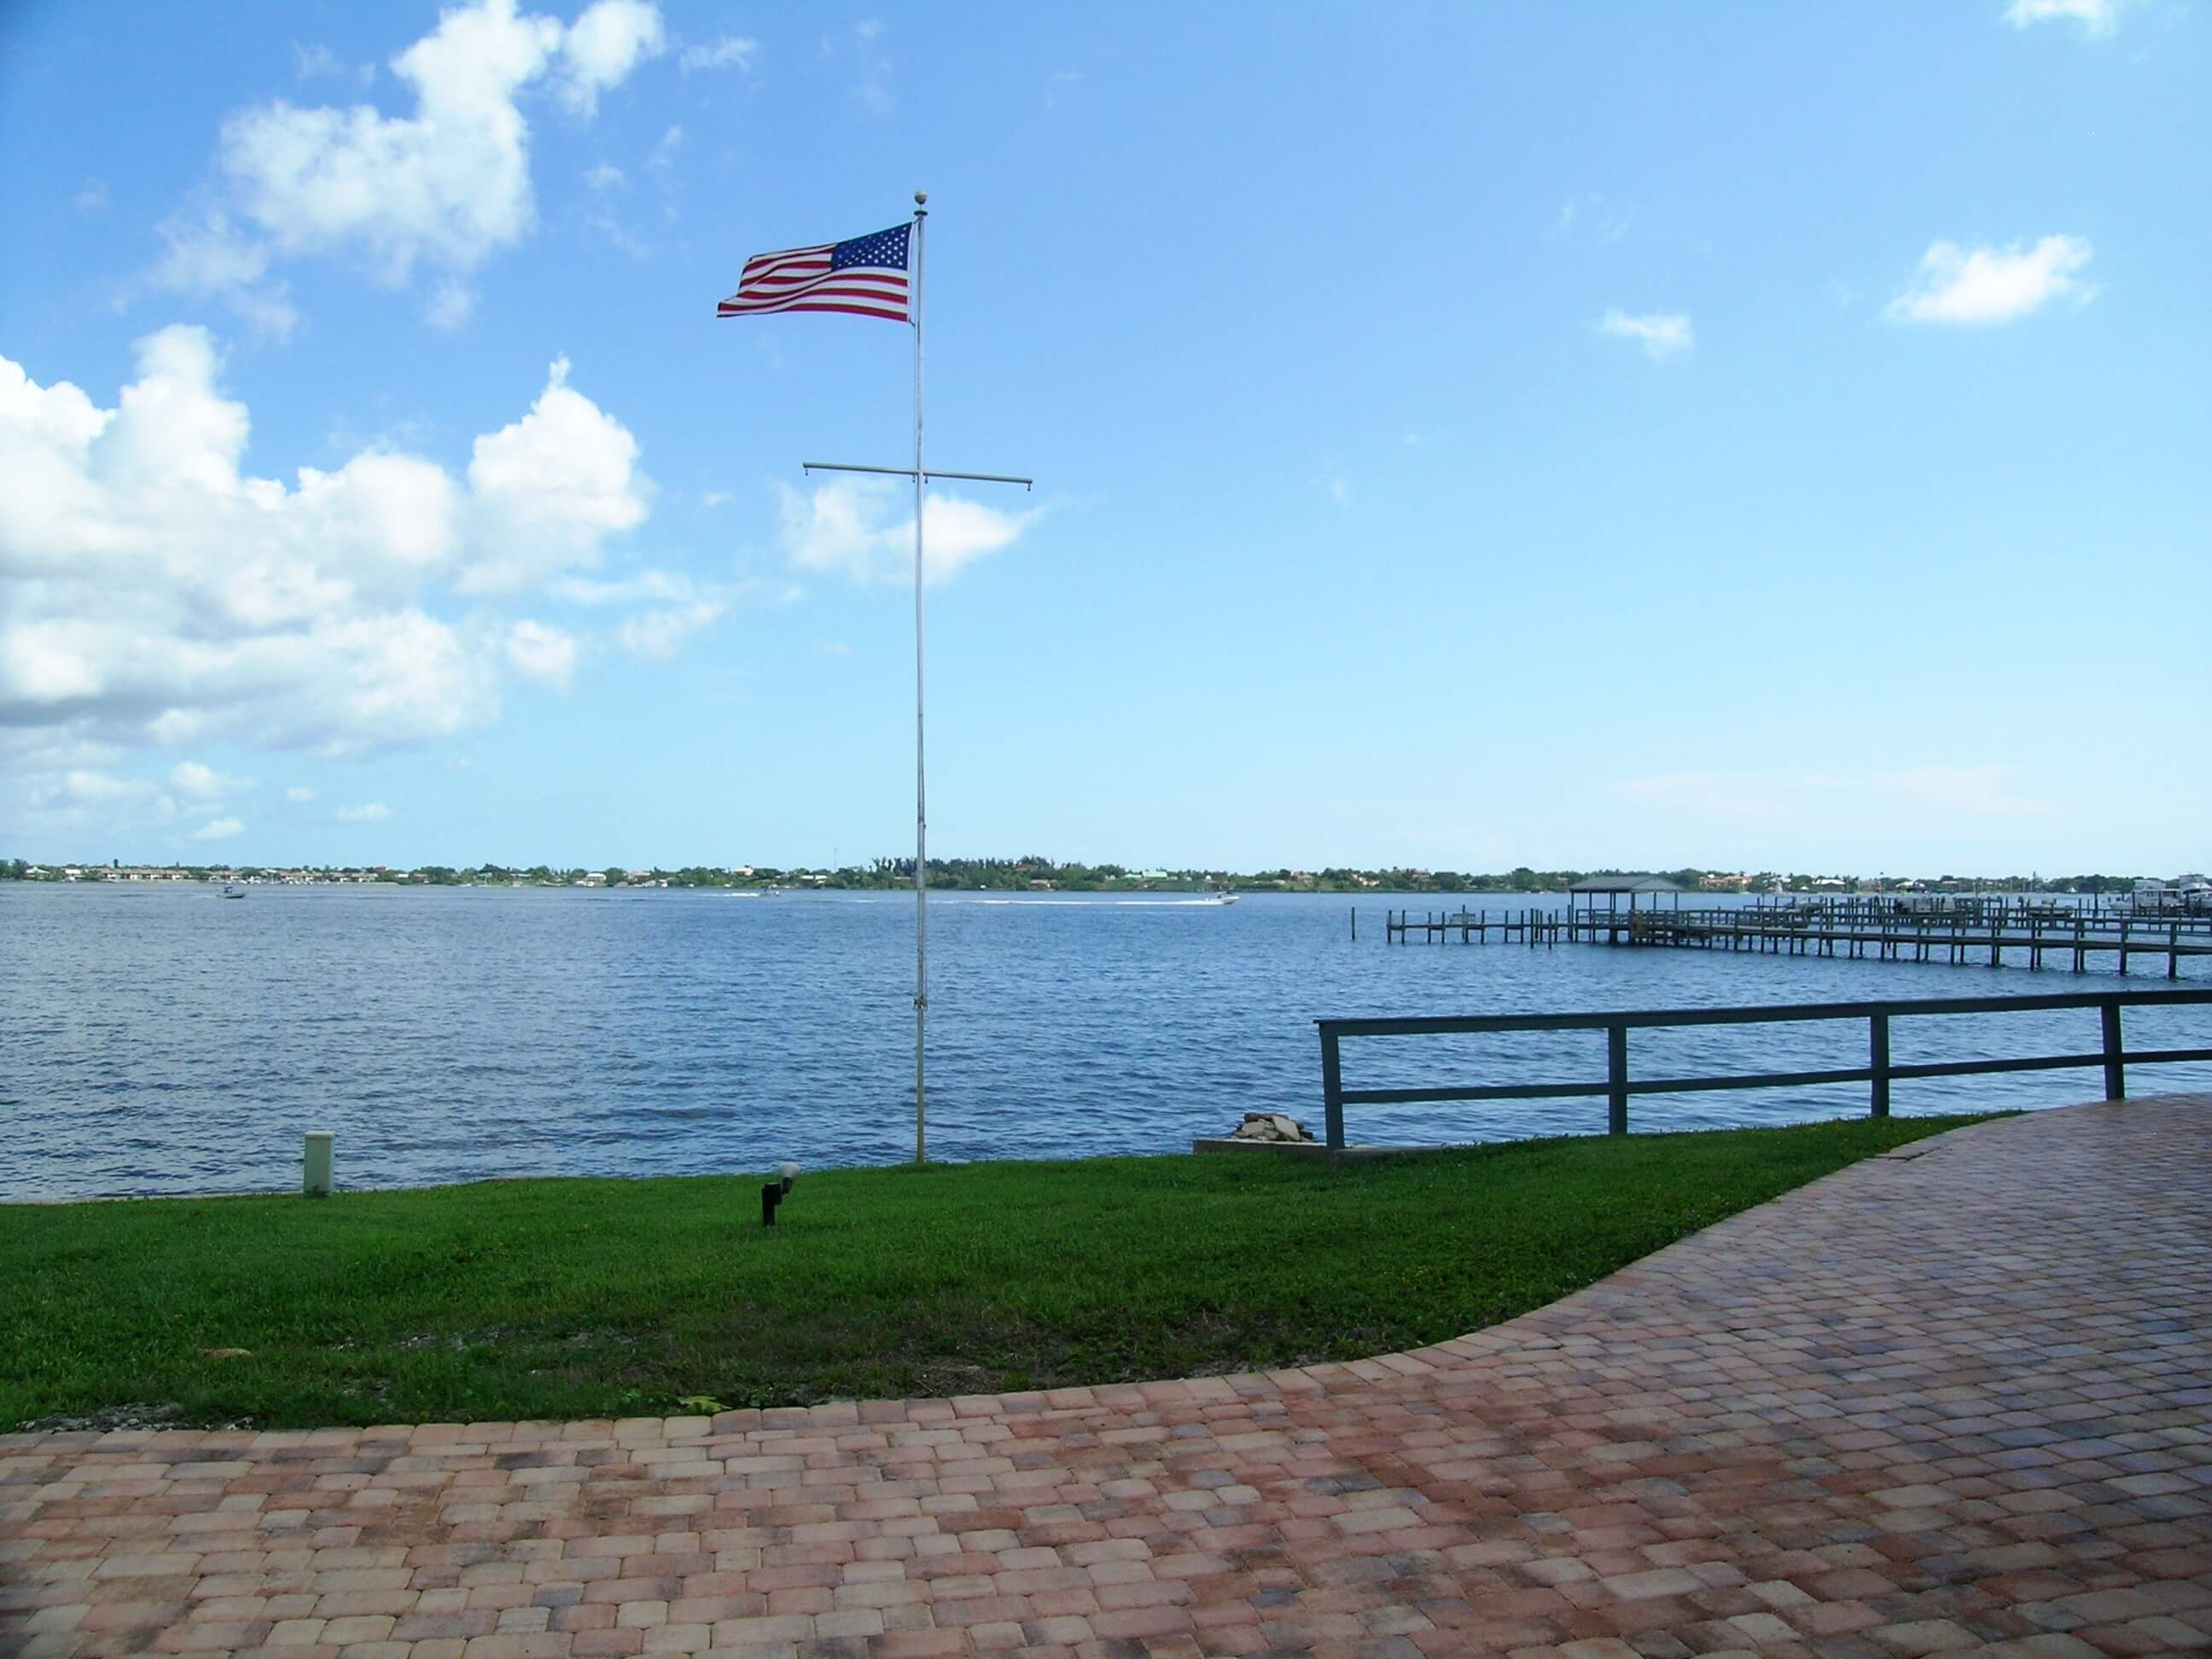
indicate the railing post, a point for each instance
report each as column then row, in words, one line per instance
column 1616, row 1078
column 2115, row 1065
column 1332, row 1090
column 1878, row 1060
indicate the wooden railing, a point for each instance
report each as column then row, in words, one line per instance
column 1879, row 1072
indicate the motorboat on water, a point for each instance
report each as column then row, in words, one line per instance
column 1224, row 897
column 229, row 891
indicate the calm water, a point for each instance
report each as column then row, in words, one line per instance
column 157, row 1039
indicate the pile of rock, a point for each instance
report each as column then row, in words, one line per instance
column 1270, row 1126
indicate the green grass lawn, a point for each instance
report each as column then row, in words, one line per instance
column 593, row 1298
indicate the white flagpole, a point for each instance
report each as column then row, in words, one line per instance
column 920, row 476
column 921, row 791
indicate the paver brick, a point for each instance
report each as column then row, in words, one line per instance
column 1949, row 1401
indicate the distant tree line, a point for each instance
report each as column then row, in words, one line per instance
column 1034, row 871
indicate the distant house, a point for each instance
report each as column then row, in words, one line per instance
column 593, row 878
column 2190, row 893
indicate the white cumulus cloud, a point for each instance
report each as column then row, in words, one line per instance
column 645, row 585
column 678, row 607
column 215, row 259
column 853, row 525
column 661, row 634
column 374, row 812
column 217, row 829
column 1663, row 334
column 445, row 185
column 1955, row 284
column 153, row 592
column 298, row 793
column 602, row 46
column 537, row 651
column 729, row 52
column 85, row 784
column 2095, row 16
column 204, row 782
column 549, row 488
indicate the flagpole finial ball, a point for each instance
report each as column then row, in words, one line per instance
column 920, row 196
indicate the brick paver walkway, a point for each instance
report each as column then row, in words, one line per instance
column 1956, row 1397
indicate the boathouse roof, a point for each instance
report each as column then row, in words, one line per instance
column 1627, row 884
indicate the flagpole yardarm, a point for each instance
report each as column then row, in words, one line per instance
column 868, row 276
column 920, row 788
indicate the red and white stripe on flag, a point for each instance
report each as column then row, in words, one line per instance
column 864, row 277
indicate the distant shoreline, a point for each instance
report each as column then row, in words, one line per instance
column 1041, row 875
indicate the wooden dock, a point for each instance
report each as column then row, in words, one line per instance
column 1887, row 931
column 1475, row 926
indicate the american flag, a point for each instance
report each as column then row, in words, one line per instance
column 865, row 275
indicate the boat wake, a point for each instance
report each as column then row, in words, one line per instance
column 1096, row 904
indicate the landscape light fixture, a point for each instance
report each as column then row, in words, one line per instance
column 774, row 1192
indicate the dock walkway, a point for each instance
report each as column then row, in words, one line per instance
column 2077, row 939
column 1900, row 936
column 1957, row 1397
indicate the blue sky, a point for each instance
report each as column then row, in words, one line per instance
column 1751, row 436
